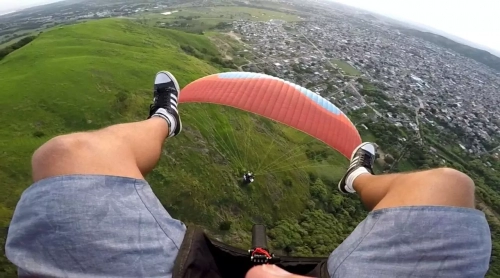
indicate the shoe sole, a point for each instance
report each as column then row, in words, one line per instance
column 352, row 156
column 171, row 76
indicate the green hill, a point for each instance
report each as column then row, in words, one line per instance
column 79, row 78
column 90, row 75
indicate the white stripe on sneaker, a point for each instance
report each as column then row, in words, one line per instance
column 354, row 161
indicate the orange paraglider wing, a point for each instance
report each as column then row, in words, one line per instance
column 279, row 100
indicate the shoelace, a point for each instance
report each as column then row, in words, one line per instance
column 163, row 97
column 366, row 160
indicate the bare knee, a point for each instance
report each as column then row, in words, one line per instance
column 451, row 187
column 51, row 157
column 84, row 154
column 59, row 147
column 437, row 187
column 455, row 179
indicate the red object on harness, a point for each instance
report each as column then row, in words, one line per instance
column 261, row 251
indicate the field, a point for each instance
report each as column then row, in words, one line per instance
column 348, row 69
column 232, row 12
column 199, row 19
column 231, row 47
column 86, row 79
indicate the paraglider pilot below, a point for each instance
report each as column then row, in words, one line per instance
column 91, row 213
column 248, row 178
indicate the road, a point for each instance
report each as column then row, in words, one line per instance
column 420, row 106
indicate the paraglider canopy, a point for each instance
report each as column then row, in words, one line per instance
column 278, row 100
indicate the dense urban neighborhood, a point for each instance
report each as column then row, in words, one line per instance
column 332, row 58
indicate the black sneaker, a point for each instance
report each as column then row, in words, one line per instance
column 166, row 96
column 362, row 156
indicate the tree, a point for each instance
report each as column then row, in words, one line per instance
column 335, row 203
column 11, row 48
column 222, row 25
column 318, row 191
column 288, row 182
column 225, row 225
column 287, row 235
column 38, row 134
column 389, row 159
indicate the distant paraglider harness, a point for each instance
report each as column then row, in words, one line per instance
column 248, row 178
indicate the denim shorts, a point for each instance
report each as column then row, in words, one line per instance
column 104, row 226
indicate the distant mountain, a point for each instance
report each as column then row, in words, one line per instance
column 11, row 8
column 481, row 56
column 6, row 12
column 425, row 28
column 49, row 8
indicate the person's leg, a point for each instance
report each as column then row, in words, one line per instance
column 90, row 211
column 437, row 187
column 126, row 150
column 421, row 224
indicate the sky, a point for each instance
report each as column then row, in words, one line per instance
column 477, row 21
column 12, row 5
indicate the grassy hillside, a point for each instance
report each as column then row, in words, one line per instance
column 94, row 74
column 79, row 78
